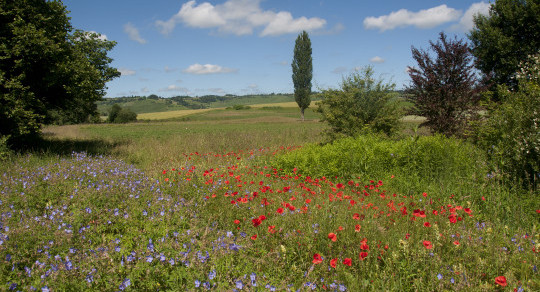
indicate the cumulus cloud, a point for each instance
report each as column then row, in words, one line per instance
column 133, row 33
column 376, row 59
column 466, row 22
column 239, row 17
column 426, row 18
column 208, row 69
column 126, row 72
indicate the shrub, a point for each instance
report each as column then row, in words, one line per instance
column 125, row 116
column 413, row 161
column 362, row 104
column 511, row 133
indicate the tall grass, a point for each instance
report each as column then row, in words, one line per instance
column 208, row 205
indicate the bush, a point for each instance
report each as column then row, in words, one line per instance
column 511, row 133
column 413, row 161
column 363, row 104
column 125, row 116
column 117, row 114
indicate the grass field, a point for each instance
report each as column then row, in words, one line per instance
column 247, row 200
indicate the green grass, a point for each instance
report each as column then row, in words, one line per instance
column 173, row 205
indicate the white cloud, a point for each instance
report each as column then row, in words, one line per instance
column 100, row 36
column 466, row 22
column 217, row 90
column 208, row 69
column 376, row 59
column 173, row 87
column 133, row 33
column 239, row 17
column 126, row 72
column 145, row 90
column 426, row 18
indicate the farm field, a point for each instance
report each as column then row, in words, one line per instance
column 175, row 204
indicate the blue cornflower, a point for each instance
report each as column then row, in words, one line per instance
column 342, row 287
column 197, row 283
column 28, row 271
column 253, row 277
column 149, row 259
column 452, row 280
column 206, row 285
column 125, row 284
column 45, row 289
column 90, row 278
column 439, row 276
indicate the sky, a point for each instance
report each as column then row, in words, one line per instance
column 241, row 47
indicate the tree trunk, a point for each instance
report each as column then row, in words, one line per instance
column 302, row 113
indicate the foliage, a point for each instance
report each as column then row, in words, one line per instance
column 511, row 132
column 505, row 37
column 361, row 104
column 302, row 68
column 444, row 88
column 117, row 114
column 431, row 158
column 49, row 72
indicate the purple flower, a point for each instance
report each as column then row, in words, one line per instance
column 212, row 275
column 239, row 284
column 197, row 283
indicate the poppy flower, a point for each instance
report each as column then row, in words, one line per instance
column 332, row 236
column 357, row 228
column 262, row 217
column 236, row 221
column 256, row 222
column 427, row 244
column 501, row 280
column 272, row 229
column 427, row 224
column 452, row 218
column 456, row 242
column 333, row 263
column 317, row 259
column 362, row 255
column 280, row 211
column 347, row 262
column 254, row 236
column 356, row 216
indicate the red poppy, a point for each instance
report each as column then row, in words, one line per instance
column 347, row 262
column 357, row 228
column 419, row 213
column 501, row 280
column 333, row 263
column 452, row 218
column 317, row 259
column 236, row 221
column 262, row 217
column 456, row 242
column 254, row 236
column 356, row 216
column 272, row 229
column 332, row 236
column 256, row 222
column 362, row 255
column 427, row 224
column 280, row 211
column 427, row 244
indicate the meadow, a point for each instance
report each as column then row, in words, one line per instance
column 248, row 200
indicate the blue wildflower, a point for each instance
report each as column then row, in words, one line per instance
column 439, row 276
column 212, row 274
column 239, row 284
column 197, row 283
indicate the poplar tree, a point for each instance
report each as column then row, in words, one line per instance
column 302, row 69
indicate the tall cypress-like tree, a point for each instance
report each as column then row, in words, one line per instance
column 302, row 69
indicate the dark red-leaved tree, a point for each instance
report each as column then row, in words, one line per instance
column 445, row 87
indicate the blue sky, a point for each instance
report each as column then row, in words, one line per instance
column 179, row 47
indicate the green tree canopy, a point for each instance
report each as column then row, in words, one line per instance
column 302, row 68
column 444, row 86
column 505, row 37
column 49, row 71
column 362, row 104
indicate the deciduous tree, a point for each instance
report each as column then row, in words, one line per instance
column 49, row 72
column 505, row 37
column 445, row 87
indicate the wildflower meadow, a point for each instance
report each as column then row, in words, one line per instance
column 245, row 220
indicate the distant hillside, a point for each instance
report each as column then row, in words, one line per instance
column 154, row 103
